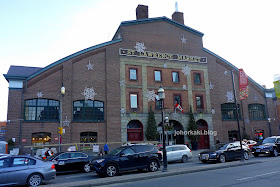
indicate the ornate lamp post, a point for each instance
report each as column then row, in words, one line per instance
column 60, row 132
column 161, row 96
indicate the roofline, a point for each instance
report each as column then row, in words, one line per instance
column 157, row 19
column 14, row 77
column 74, row 55
column 234, row 67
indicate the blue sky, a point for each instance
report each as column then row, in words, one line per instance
column 38, row 33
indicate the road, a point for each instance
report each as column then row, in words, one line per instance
column 193, row 163
column 260, row 174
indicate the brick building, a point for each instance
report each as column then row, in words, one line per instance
column 111, row 86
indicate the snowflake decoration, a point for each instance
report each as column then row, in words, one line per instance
column 122, row 83
column 40, row 95
column 89, row 93
column 211, row 86
column 230, row 97
column 184, row 87
column 183, row 39
column 256, row 97
column 247, row 121
column 226, row 73
column 164, row 65
column 151, row 95
column 186, row 70
column 122, row 110
column 212, row 111
column 90, row 66
column 66, row 122
column 140, row 47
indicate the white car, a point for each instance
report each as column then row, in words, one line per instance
column 178, row 153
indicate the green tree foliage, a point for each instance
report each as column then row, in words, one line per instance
column 192, row 127
column 151, row 131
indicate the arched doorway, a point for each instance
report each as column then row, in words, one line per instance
column 204, row 137
column 170, row 129
column 134, row 131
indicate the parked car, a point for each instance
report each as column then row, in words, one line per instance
column 178, row 153
column 230, row 151
column 270, row 145
column 22, row 170
column 126, row 158
column 71, row 161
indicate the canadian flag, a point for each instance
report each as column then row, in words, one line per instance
column 179, row 107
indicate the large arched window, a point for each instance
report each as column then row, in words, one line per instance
column 41, row 110
column 229, row 111
column 256, row 112
column 87, row 110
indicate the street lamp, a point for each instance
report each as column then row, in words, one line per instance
column 161, row 96
column 60, row 132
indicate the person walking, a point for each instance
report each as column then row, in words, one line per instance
column 106, row 148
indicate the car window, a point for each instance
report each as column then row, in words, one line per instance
column 176, row 148
column 64, row 156
column 278, row 140
column 23, row 161
column 4, row 162
column 140, row 148
column 128, row 151
column 75, row 155
column 83, row 155
column 169, row 149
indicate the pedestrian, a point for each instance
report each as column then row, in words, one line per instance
column 49, row 152
column 106, row 148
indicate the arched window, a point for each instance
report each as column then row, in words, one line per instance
column 87, row 110
column 41, row 110
column 229, row 111
column 256, row 112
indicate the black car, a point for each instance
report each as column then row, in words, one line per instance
column 223, row 153
column 270, row 145
column 128, row 158
column 71, row 161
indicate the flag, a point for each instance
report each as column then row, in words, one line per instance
column 243, row 85
column 277, row 88
column 179, row 107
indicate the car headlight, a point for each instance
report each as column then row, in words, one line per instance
column 214, row 154
column 99, row 161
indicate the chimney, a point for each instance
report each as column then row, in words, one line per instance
column 142, row 12
column 178, row 16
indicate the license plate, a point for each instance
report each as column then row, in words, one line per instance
column 257, row 150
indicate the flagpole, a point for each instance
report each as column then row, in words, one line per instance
column 237, row 115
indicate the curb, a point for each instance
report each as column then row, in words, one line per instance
column 149, row 175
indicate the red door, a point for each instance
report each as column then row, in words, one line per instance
column 134, row 135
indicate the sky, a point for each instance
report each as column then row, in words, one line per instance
column 37, row 33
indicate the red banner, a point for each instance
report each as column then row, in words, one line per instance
column 243, row 85
column 179, row 107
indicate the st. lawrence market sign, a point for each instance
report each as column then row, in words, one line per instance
column 166, row 56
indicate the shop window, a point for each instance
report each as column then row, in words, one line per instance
column 133, row 74
column 88, row 137
column 41, row 110
column 257, row 112
column 175, row 77
column 87, row 110
column 157, row 75
column 41, row 138
column 197, row 78
column 229, row 111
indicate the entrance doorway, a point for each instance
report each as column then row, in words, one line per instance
column 203, row 142
column 134, row 131
column 171, row 128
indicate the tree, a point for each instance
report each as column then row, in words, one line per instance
column 151, row 131
column 192, row 130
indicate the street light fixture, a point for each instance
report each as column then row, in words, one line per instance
column 60, row 132
column 161, row 96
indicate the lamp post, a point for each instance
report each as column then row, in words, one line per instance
column 166, row 121
column 62, row 92
column 161, row 96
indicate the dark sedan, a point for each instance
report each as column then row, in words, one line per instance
column 71, row 161
column 22, row 170
column 229, row 151
column 270, row 145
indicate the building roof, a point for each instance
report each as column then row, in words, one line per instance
column 151, row 20
column 20, row 72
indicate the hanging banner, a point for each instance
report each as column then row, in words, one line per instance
column 243, row 85
column 277, row 88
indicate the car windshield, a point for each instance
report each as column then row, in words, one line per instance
column 223, row 147
column 116, row 151
column 269, row 140
column 217, row 146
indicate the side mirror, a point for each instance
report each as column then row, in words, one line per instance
column 122, row 154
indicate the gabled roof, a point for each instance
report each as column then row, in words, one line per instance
column 233, row 67
column 20, row 72
column 151, row 20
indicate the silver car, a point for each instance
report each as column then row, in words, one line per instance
column 178, row 153
column 22, row 170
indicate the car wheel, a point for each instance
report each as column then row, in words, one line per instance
column 111, row 170
column 34, row 179
column 246, row 155
column 86, row 168
column 153, row 166
column 255, row 154
column 185, row 158
column 275, row 152
column 222, row 158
